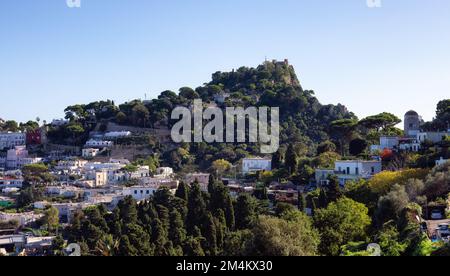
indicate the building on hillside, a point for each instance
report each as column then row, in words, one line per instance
column 412, row 123
column 35, row 137
column 70, row 165
column 18, row 157
column 98, row 144
column 350, row 170
column 10, row 182
column 164, row 172
column 117, row 134
column 356, row 169
column 321, row 176
column 202, row 178
column 441, row 161
column 386, row 142
column 140, row 193
column 89, row 152
column 434, row 137
column 409, row 144
column 9, row 140
column 250, row 165
column 22, row 218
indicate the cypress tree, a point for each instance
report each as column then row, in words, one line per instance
column 182, row 191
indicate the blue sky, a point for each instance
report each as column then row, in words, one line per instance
column 392, row 58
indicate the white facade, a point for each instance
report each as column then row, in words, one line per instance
column 8, row 182
column 70, row 165
column 256, row 164
column 356, row 169
column 90, row 152
column 18, row 157
column 140, row 193
column 164, row 172
column 434, row 137
column 98, row 144
column 10, row 140
column 22, row 218
column 117, row 134
column 442, row 161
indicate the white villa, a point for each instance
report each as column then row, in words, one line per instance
column 250, row 165
column 349, row 170
column 10, row 140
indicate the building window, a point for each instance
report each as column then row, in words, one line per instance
column 135, row 192
column 357, row 171
column 373, row 170
column 348, row 170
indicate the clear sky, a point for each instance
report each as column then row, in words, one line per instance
column 392, row 58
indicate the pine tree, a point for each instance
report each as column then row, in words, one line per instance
column 278, row 159
column 128, row 210
column 291, row 159
column 211, row 184
column 196, row 208
column 245, row 211
column 221, row 228
column 301, row 202
column 210, row 236
column 323, row 199
column 177, row 232
column 182, row 191
column 159, row 239
column 334, row 189
column 193, row 247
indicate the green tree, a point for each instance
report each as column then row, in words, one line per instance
column 270, row 237
column 341, row 222
column 245, row 211
column 51, row 219
column 292, row 159
column 182, row 191
column 196, row 208
column 358, row 146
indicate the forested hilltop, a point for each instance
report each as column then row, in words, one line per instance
column 275, row 84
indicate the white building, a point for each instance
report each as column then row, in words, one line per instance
column 10, row 140
column 442, row 161
column 117, row 134
column 98, row 144
column 356, row 169
column 9, row 182
column 18, row 157
column 434, row 137
column 90, row 152
column 64, row 191
column 140, row 193
column 250, row 165
column 70, row 165
column 348, row 171
column 22, row 218
column 164, row 172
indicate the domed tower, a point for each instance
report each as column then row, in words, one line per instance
column 412, row 123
